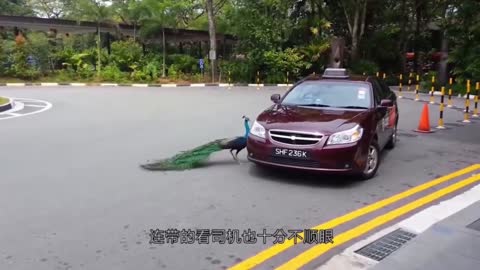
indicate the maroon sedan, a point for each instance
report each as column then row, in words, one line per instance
column 333, row 123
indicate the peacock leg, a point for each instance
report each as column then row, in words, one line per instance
column 236, row 155
column 231, row 153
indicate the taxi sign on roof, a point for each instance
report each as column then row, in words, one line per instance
column 335, row 73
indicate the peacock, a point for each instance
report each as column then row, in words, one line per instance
column 195, row 157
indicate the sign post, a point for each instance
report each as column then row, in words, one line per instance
column 201, row 64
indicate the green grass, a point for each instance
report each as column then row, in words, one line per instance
column 3, row 101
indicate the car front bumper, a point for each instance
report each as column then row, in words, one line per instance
column 348, row 158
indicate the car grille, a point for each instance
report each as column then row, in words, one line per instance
column 295, row 138
column 295, row 162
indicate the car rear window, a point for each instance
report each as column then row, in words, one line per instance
column 331, row 94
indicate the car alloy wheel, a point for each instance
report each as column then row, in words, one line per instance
column 372, row 162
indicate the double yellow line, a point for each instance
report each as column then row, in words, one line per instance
column 318, row 250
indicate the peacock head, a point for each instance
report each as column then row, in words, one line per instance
column 246, row 121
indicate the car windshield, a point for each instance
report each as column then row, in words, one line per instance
column 330, row 94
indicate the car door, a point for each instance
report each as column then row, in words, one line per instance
column 387, row 93
column 381, row 115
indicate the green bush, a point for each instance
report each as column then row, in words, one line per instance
column 112, row 73
column 38, row 46
column 182, row 63
column 148, row 72
column 21, row 68
column 240, row 71
column 125, row 53
column 364, row 66
column 278, row 63
column 426, row 82
column 5, row 49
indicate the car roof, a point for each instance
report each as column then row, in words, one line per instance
column 351, row 79
column 358, row 78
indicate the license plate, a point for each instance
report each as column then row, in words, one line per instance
column 291, row 153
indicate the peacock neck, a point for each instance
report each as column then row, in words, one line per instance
column 247, row 129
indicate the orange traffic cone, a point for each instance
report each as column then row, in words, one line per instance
column 424, row 124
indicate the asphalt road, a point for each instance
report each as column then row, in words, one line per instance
column 72, row 194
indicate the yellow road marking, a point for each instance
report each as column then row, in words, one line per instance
column 318, row 250
column 276, row 249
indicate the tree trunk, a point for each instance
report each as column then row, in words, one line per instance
column 99, row 55
column 402, row 42
column 212, row 34
column 418, row 15
column 134, row 31
column 354, row 34
column 164, row 52
column 443, row 64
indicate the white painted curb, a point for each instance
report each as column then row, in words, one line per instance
column 197, row 85
column 16, row 106
column 9, row 101
column 140, row 85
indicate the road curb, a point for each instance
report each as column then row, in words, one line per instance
column 7, row 106
column 148, row 85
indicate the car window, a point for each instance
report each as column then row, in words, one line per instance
column 377, row 92
column 332, row 94
column 386, row 92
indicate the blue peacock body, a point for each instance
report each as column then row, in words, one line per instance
column 196, row 157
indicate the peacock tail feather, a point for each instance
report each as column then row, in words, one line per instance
column 187, row 159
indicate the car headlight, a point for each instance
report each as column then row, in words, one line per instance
column 347, row 136
column 258, row 130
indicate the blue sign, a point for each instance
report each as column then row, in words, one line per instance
column 201, row 63
column 32, row 61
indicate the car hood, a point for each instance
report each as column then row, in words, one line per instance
column 324, row 120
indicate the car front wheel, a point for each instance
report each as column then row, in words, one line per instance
column 373, row 161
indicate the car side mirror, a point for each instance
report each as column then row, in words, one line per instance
column 386, row 103
column 275, row 98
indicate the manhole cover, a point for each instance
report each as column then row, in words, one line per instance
column 475, row 225
column 386, row 245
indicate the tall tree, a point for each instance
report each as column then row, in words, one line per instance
column 213, row 35
column 15, row 7
column 157, row 15
column 51, row 8
column 98, row 11
column 129, row 12
column 355, row 13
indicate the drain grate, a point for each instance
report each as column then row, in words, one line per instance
column 475, row 225
column 386, row 245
